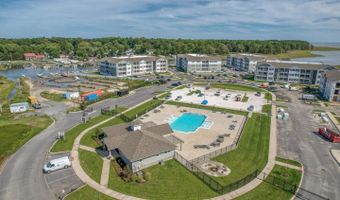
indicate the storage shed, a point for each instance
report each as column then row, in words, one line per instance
column 19, row 107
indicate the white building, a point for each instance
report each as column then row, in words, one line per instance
column 132, row 65
column 19, row 107
column 139, row 145
column 330, row 85
column 198, row 63
column 290, row 71
column 244, row 62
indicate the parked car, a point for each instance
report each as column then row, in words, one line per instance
column 251, row 108
column 178, row 98
column 168, row 97
column 56, row 164
column 258, row 94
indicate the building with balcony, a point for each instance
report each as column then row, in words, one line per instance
column 290, row 71
column 330, row 85
column 124, row 66
column 244, row 62
column 198, row 63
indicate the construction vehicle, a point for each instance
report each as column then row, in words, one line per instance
column 34, row 102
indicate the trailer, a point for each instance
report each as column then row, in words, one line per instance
column 98, row 93
column 330, row 134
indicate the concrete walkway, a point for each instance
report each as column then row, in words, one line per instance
column 105, row 171
column 270, row 164
column 102, row 187
column 104, row 179
column 288, row 165
column 87, row 148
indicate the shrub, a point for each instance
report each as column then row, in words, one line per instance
column 140, row 179
column 147, row 176
column 134, row 178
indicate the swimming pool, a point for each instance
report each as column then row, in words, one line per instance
column 188, row 122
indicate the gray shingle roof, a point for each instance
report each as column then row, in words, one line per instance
column 291, row 64
column 333, row 75
column 140, row 144
column 131, row 59
column 192, row 57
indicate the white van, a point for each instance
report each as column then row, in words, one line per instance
column 56, row 164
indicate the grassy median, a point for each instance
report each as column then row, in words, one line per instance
column 70, row 135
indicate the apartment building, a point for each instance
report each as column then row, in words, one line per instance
column 244, row 62
column 124, row 66
column 198, row 63
column 330, row 85
column 290, row 71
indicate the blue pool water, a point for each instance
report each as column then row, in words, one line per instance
column 188, row 122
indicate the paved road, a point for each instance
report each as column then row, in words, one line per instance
column 297, row 140
column 22, row 177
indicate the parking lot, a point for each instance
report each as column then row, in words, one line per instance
column 63, row 181
column 220, row 97
column 298, row 139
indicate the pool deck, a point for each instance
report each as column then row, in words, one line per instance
column 202, row 136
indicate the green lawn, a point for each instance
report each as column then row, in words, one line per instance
column 16, row 132
column 6, row 87
column 212, row 108
column 88, row 139
column 270, row 192
column 70, row 135
column 288, row 161
column 237, row 87
column 268, row 96
column 87, row 193
column 267, row 108
column 91, row 163
column 52, row 96
column 141, row 108
column 22, row 92
column 252, row 151
column 170, row 181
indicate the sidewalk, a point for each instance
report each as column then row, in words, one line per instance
column 267, row 169
column 104, row 178
column 288, row 165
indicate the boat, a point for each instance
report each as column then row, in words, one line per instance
column 41, row 75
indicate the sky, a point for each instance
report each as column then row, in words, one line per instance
column 311, row 20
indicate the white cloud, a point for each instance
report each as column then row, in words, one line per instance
column 315, row 20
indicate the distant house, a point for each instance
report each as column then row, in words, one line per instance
column 19, row 107
column 139, row 145
column 33, row 56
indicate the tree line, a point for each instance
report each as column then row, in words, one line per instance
column 13, row 49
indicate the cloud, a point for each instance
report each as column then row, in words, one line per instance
column 313, row 20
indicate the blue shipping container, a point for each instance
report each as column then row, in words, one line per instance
column 91, row 97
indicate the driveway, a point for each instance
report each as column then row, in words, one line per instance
column 297, row 139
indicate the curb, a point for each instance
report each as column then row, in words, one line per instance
column 2, row 166
column 337, row 161
column 301, row 180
